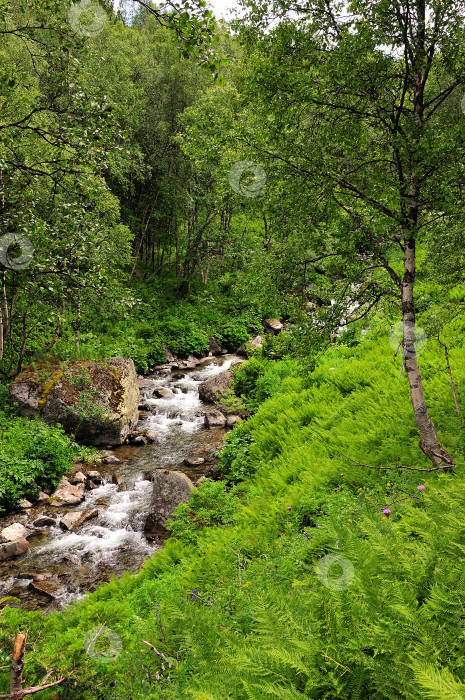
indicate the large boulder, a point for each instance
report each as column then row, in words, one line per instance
column 211, row 389
column 215, row 348
column 169, row 490
column 104, row 415
column 15, row 532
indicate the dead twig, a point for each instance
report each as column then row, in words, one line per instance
column 398, row 466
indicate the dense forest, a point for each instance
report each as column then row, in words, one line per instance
column 232, row 269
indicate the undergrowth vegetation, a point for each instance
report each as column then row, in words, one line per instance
column 243, row 601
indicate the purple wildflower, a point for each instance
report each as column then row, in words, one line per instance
column 386, row 511
column 306, row 534
column 420, row 487
column 289, row 507
column 336, row 489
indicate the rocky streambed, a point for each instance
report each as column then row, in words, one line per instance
column 117, row 519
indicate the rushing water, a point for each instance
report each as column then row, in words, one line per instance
column 72, row 563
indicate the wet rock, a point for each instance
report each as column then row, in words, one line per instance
column 78, row 478
column 111, row 459
column 215, row 419
column 67, row 494
column 46, row 588
column 45, row 521
column 146, row 407
column 53, row 397
column 43, row 496
column 170, row 357
column 170, row 488
column 92, row 485
column 163, row 393
column 33, row 576
column 15, row 532
column 199, row 481
column 95, row 476
column 190, row 363
column 212, row 388
column 71, row 521
column 273, row 326
column 139, row 440
column 212, row 472
column 232, row 420
column 116, row 479
column 194, row 461
column 215, row 347
column 24, row 504
column 9, row 550
column 150, row 436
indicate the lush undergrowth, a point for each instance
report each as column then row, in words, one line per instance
column 33, row 455
column 248, row 607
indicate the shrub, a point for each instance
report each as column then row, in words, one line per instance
column 235, row 463
column 211, row 504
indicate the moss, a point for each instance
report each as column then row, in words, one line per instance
column 48, row 386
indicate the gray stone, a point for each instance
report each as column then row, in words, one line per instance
column 15, row 532
column 194, row 461
column 139, row 440
column 67, row 494
column 116, row 391
column 273, row 326
column 215, row 419
column 163, row 393
column 215, row 348
column 211, row 389
column 170, row 488
column 232, row 420
column 45, row 521
column 78, row 478
column 46, row 588
column 71, row 521
column 111, row 459
column 9, row 550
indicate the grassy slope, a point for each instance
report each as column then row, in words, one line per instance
column 270, row 629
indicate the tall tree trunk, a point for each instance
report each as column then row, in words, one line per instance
column 429, row 441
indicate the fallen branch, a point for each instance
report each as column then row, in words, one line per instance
column 158, row 653
column 17, row 692
column 398, row 466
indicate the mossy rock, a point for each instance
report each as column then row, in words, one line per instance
column 96, row 401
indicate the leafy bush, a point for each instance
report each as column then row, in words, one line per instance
column 235, row 463
column 33, row 457
column 210, row 504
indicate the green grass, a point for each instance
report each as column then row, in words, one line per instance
column 262, row 623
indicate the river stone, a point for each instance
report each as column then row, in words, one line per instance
column 150, row 436
column 194, row 461
column 215, row 348
column 94, row 475
column 71, row 521
column 139, row 440
column 212, row 388
column 15, row 532
column 163, row 393
column 43, row 496
column 111, row 459
column 46, row 588
column 273, row 326
column 114, row 389
column 232, row 420
column 67, row 494
column 9, row 550
column 78, row 478
column 45, row 521
column 169, row 490
column 215, row 419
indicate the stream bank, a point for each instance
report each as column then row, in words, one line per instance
column 62, row 565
